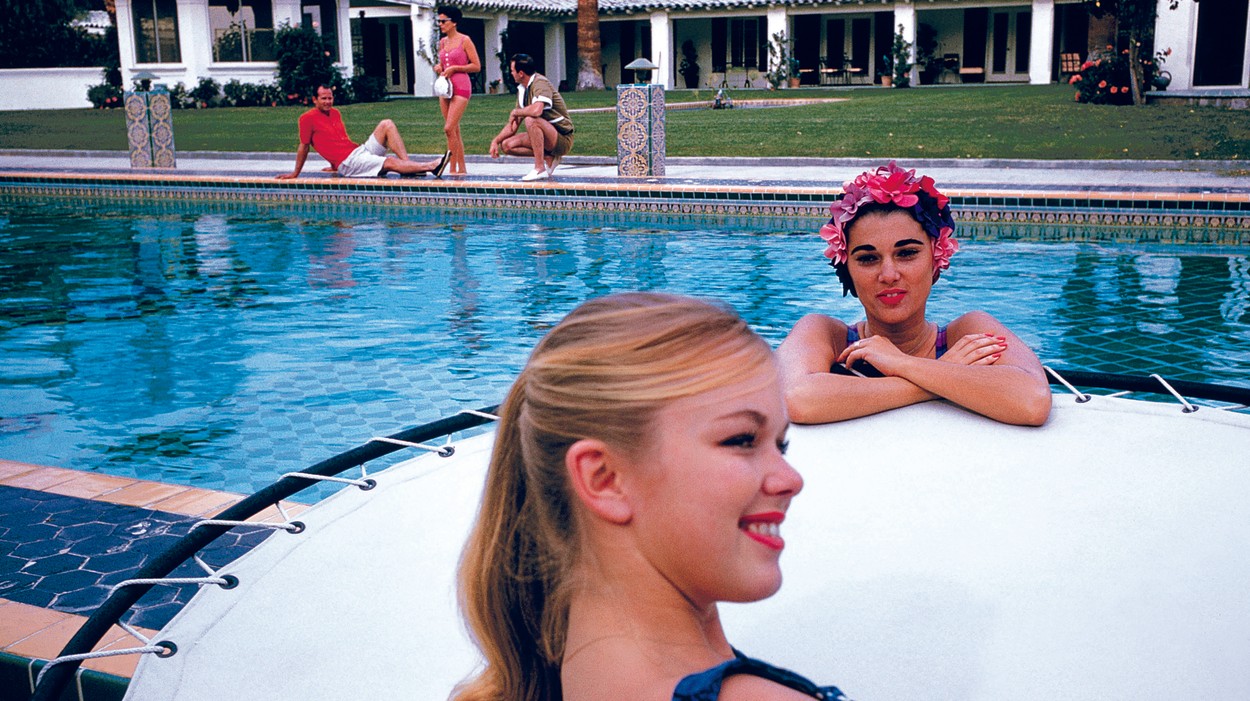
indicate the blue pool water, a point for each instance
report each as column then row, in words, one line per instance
column 221, row 346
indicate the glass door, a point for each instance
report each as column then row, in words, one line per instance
column 1010, row 32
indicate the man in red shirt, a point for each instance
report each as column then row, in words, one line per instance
column 322, row 130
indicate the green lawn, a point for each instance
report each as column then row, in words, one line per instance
column 961, row 122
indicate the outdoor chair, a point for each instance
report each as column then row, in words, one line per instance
column 829, row 71
column 1070, row 64
column 972, row 74
column 950, row 68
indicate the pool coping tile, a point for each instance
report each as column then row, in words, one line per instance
column 37, row 633
column 143, row 493
column 12, row 468
column 41, row 478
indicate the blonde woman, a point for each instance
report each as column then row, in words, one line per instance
column 457, row 58
column 600, row 554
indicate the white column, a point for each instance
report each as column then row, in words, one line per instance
column 490, row 63
column 1042, row 42
column 422, row 19
column 195, row 39
column 344, row 23
column 553, row 49
column 1176, row 30
column 776, row 21
column 126, row 40
column 287, row 12
column 905, row 15
column 662, row 49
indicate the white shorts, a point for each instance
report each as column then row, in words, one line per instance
column 365, row 162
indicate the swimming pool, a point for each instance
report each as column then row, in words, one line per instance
column 221, row 346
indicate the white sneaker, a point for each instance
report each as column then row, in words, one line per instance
column 533, row 175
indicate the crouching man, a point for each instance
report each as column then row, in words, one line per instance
column 548, row 134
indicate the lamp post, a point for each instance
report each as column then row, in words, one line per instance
column 149, row 123
column 640, row 124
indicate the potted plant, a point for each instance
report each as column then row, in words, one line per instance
column 900, row 59
column 689, row 66
column 885, row 72
column 795, row 77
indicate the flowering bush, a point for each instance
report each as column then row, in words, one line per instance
column 239, row 94
column 1103, row 81
column 104, row 95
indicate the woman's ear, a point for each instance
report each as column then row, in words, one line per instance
column 596, row 481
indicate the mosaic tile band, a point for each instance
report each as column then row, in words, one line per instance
column 1220, row 219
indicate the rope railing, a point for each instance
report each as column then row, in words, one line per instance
column 1237, row 398
column 56, row 673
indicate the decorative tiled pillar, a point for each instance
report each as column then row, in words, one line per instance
column 150, row 128
column 639, row 130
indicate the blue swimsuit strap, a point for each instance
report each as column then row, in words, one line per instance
column 705, row 685
column 852, row 335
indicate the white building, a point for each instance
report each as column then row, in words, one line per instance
column 834, row 41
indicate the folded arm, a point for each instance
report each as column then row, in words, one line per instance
column 814, row 395
column 1012, row 388
column 987, row 370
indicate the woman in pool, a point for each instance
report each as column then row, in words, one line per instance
column 457, row 58
column 889, row 239
column 599, row 553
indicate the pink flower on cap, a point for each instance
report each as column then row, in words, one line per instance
column 891, row 184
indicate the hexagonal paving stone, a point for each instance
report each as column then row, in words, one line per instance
column 54, row 564
column 71, row 568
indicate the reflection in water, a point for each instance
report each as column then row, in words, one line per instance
column 223, row 348
column 1141, row 313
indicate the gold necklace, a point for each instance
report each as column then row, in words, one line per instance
column 923, row 345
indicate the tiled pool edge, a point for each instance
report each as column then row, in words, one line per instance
column 1173, row 217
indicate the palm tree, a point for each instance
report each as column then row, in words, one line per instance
column 589, row 51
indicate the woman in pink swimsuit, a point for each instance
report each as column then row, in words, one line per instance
column 457, row 58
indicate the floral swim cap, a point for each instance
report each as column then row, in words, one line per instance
column 891, row 184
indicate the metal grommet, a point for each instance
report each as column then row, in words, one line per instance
column 170, row 648
column 368, row 484
column 230, row 583
column 296, row 527
column 447, row 451
column 1082, row 398
column 1190, row 409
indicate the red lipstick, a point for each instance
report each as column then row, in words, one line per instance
column 764, row 528
column 892, row 296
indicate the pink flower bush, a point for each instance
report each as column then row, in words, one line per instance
column 891, row 184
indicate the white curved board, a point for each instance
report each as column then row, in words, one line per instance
column 933, row 554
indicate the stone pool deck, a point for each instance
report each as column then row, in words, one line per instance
column 1000, row 176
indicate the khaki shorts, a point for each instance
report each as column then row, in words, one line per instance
column 564, row 144
column 365, row 162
